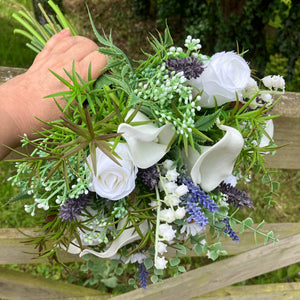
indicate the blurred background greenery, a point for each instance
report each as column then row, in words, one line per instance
column 269, row 29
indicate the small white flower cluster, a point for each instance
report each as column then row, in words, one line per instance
column 175, row 51
column 135, row 258
column 274, row 82
column 163, row 88
column 170, row 209
column 30, row 209
column 192, row 44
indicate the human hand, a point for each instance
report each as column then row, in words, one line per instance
column 59, row 53
column 22, row 98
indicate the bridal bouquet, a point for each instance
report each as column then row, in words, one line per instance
column 146, row 159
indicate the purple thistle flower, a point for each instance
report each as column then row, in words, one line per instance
column 228, row 230
column 143, row 275
column 190, row 66
column 195, row 200
column 149, row 176
column 236, row 197
column 73, row 207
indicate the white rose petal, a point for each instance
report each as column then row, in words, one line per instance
column 225, row 76
column 113, row 181
column 147, row 143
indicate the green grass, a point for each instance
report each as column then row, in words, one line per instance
column 13, row 52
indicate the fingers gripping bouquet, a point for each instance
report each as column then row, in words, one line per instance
column 146, row 158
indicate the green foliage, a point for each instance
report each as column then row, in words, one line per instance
column 277, row 65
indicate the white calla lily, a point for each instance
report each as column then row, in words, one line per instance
column 126, row 237
column 147, row 143
column 216, row 162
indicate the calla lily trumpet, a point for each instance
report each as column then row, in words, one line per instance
column 216, row 162
column 147, row 143
column 126, row 237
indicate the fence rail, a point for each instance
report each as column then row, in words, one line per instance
column 208, row 282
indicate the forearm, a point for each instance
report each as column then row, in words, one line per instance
column 10, row 115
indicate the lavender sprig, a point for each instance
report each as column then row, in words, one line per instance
column 228, row 230
column 195, row 200
column 236, row 197
column 143, row 275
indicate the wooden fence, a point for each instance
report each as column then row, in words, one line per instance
column 209, row 282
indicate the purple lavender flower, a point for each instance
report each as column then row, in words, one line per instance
column 236, row 197
column 143, row 274
column 73, row 207
column 149, row 176
column 228, row 230
column 195, row 200
column 190, row 66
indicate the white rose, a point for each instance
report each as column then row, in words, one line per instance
column 113, row 181
column 225, row 75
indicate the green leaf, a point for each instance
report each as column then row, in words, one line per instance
column 158, row 272
column 134, row 99
column 111, row 282
column 131, row 281
column 148, row 262
column 181, row 249
column 119, row 271
column 174, row 261
column 154, row 278
column 275, row 185
column 198, row 249
column 181, row 269
column 204, row 123
column 248, row 222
